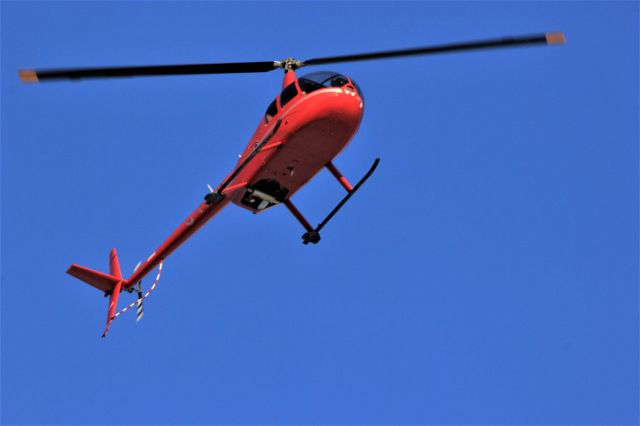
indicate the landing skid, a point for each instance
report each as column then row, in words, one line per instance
column 313, row 234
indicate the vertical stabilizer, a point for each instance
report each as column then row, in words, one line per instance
column 114, row 269
column 114, row 264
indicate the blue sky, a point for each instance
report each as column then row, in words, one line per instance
column 486, row 274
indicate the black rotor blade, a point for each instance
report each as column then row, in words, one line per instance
column 34, row 76
column 548, row 38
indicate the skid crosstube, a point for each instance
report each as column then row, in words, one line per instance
column 313, row 234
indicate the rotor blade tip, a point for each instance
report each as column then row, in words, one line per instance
column 555, row 38
column 28, row 76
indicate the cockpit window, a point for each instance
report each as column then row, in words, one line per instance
column 308, row 86
column 288, row 93
column 272, row 110
column 337, row 81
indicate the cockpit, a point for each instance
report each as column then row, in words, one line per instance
column 309, row 83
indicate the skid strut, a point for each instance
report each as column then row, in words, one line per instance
column 313, row 235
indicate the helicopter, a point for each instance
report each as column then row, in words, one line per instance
column 304, row 128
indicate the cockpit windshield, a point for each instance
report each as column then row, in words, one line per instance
column 321, row 79
column 327, row 78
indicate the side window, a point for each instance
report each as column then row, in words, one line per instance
column 272, row 110
column 288, row 93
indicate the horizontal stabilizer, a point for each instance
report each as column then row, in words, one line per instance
column 99, row 280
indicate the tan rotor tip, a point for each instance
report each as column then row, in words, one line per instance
column 28, row 76
column 555, row 38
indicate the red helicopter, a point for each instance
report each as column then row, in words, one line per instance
column 305, row 127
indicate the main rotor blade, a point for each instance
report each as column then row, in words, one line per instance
column 548, row 38
column 34, row 76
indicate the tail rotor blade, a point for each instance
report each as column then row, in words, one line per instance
column 140, row 309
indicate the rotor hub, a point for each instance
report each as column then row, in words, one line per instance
column 289, row 64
